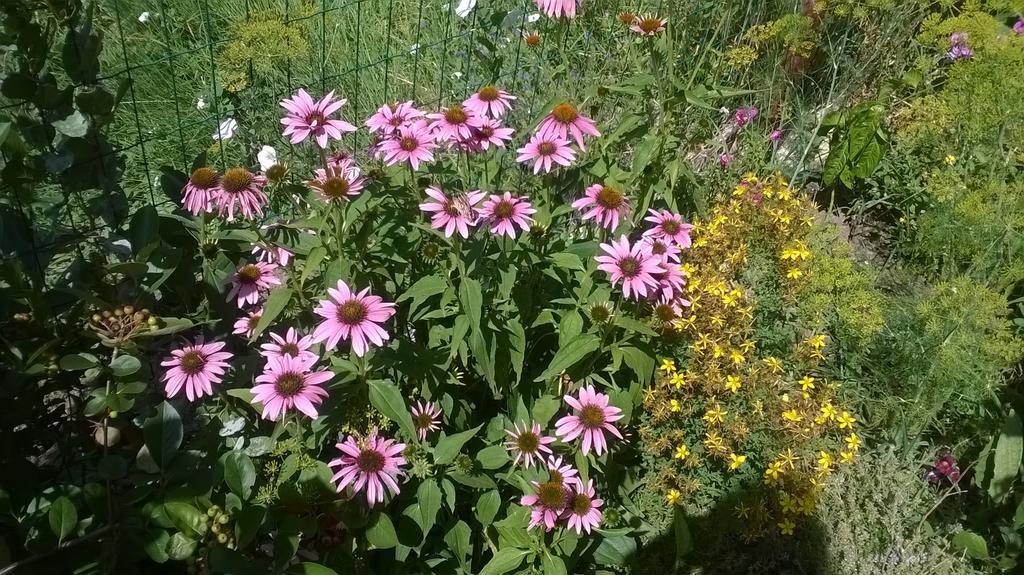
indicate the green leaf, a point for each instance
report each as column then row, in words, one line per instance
column 63, row 517
column 972, row 543
column 615, row 551
column 313, row 260
column 544, row 408
column 155, row 545
column 78, row 361
column 125, row 365
column 458, row 540
column 504, row 560
column 476, row 480
column 472, row 300
column 381, row 532
column 239, row 473
column 307, row 568
column 570, row 327
column 180, row 547
column 448, row 447
column 186, row 518
column 429, row 497
column 163, row 434
column 247, row 524
column 487, row 507
column 633, row 325
column 169, row 325
column 553, row 565
column 1007, row 457
column 1018, row 516
column 569, row 354
column 493, row 456
column 681, row 530
column 276, row 303
column 423, row 289
column 567, row 260
column 75, row 125
column 387, row 399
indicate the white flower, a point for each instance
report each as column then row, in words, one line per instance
column 144, row 17
column 456, row 75
column 533, row 17
column 200, row 103
column 267, row 157
column 414, row 48
column 465, row 7
column 226, row 130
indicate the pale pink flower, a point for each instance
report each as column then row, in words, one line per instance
column 744, row 116
column 669, row 226
column 250, row 280
column 557, row 8
column 337, row 182
column 491, row 132
column 454, row 123
column 242, row 187
column 635, row 266
column 669, row 309
column 648, row 25
column 247, row 325
column 725, row 160
column 307, row 118
column 548, row 503
column 561, row 472
column 592, row 418
column 1018, row 27
column 272, row 253
column 545, row 150
column 604, row 204
column 563, row 120
column 355, row 316
column 372, row 466
column 291, row 345
column 196, row 367
column 414, row 143
column 528, row 442
column 670, row 283
column 668, row 250
column 584, row 509
column 489, row 101
column 503, row 213
column 200, row 192
column 390, row 117
column 457, row 213
column 426, row 415
column 776, row 135
column 288, row 383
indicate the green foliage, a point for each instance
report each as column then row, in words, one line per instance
column 261, row 46
column 857, row 143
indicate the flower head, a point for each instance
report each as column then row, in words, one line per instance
column 527, row 442
column 604, row 204
column 390, row 117
column 662, row 247
column 503, row 213
column 414, row 143
column 247, row 325
column 776, row 135
column 426, row 415
column 546, row 150
column 1018, row 27
column 584, row 509
column 490, row 132
column 669, row 226
column 549, row 502
column 563, row 120
column 307, row 117
column 272, row 253
column 633, row 265
column 242, row 187
column 457, row 213
column 557, row 8
column 201, row 191
column 489, row 101
column 251, row 279
column 648, row 25
column 337, row 181
column 288, row 383
column 960, row 52
column 592, row 417
column 355, row 316
column 532, row 39
column 372, row 466
column 196, row 367
column 454, row 123
column 744, row 116
column 291, row 345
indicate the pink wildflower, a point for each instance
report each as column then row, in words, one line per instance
column 414, row 143
column 196, row 367
column 426, row 415
column 250, row 280
column 669, row 226
column 546, row 150
column 503, row 213
column 288, row 383
column 373, row 466
column 584, row 509
column 563, row 120
column 592, row 418
column 200, row 192
column 247, row 325
column 291, row 345
column 634, row 266
column 455, row 213
column 308, row 118
column 390, row 117
column 242, row 187
column 489, row 101
column 604, row 204
column 527, row 443
column 355, row 316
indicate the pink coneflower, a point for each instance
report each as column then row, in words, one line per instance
column 604, row 204
column 413, row 143
column 454, row 123
column 592, row 418
column 548, row 503
column 667, row 250
column 200, row 192
column 355, row 316
column 633, row 266
column 744, row 116
column 425, row 417
column 308, row 118
column 242, row 187
column 291, row 345
column 648, row 25
column 272, row 253
column 503, row 213
column 455, row 213
column 584, row 509
column 557, row 8
column 337, row 182
column 196, row 367
column 247, row 325
column 373, row 467
column 670, row 308
column 526, row 443
column 669, row 226
column 287, row 383
column 564, row 120
column 390, row 117
column 250, row 280
column 546, row 150
column 561, row 472
column 670, row 283
column 491, row 132
column 489, row 101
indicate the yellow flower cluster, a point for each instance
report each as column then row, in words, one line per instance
column 727, row 390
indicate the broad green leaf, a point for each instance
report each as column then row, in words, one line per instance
column 544, row 408
column 125, row 365
column 552, row 565
column 313, row 260
column 458, row 541
column 180, row 547
column 63, row 517
column 972, row 543
column 387, row 399
column 476, row 480
column 423, row 289
column 1007, row 457
column 247, row 524
column 155, row 545
column 163, row 434
column 186, row 518
column 493, row 456
column 381, row 532
column 567, row 261
column 615, row 551
column 78, row 361
column 681, row 530
column 239, row 473
column 569, row 354
column 487, row 507
column 449, row 447
column 168, row 326
column 276, row 303
column 428, row 495
column 504, row 561
column 570, row 327
column 472, row 299
column 1018, row 516
column 633, row 325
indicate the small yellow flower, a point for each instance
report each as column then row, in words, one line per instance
column 673, row 496
column 794, row 273
column 714, row 443
column 735, row 461
column 846, row 456
column 792, row 415
column 774, row 471
column 845, row 421
column 773, row 364
column 853, row 442
column 788, row 458
column 817, row 341
column 674, row 405
column 950, row 160
column 715, row 415
column 682, row 452
column 732, row 383
column 737, row 357
column 806, row 383
column 668, row 366
column 785, row 398
column 716, row 351
column 828, row 411
column 789, row 504
column 786, row 526
column 824, row 462
column 678, row 380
